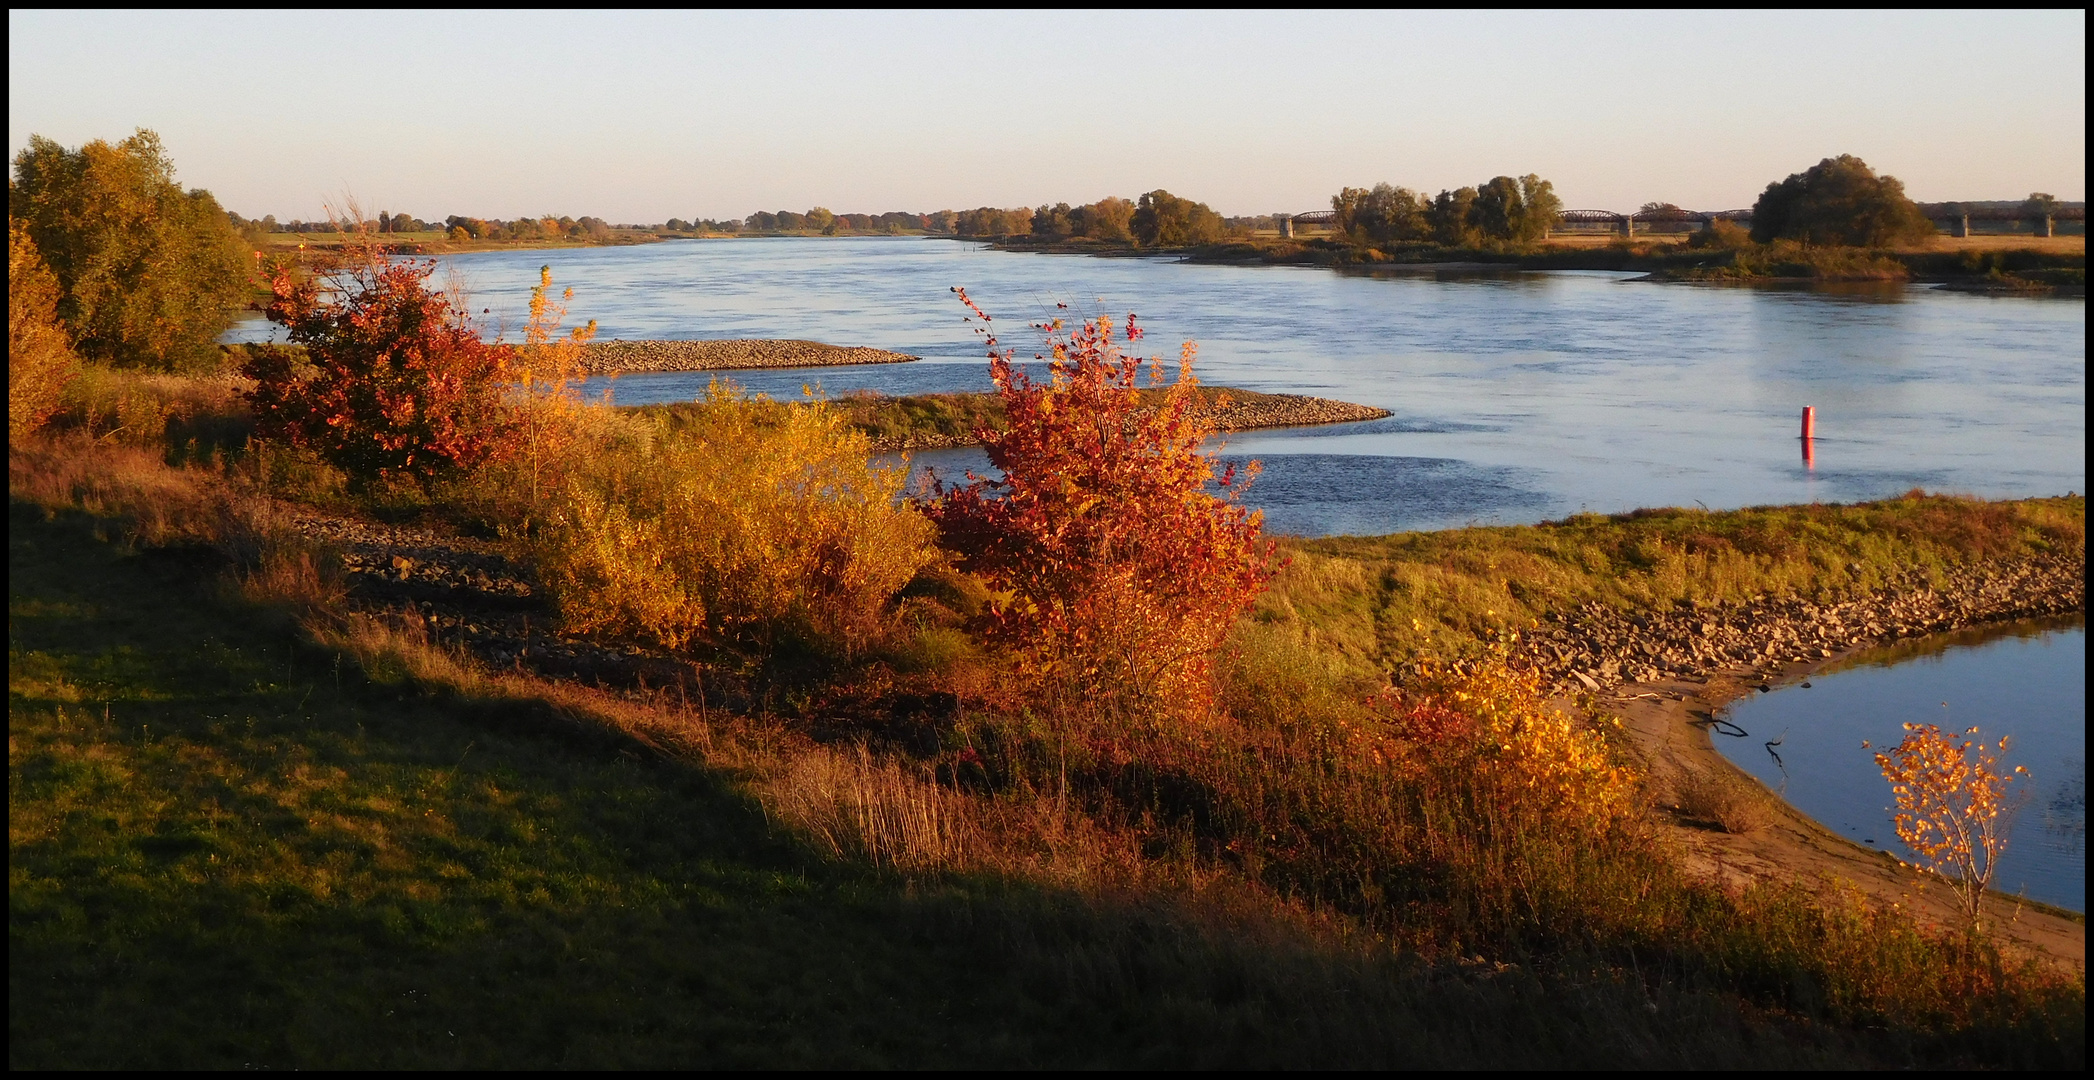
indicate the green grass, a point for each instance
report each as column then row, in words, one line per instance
column 1382, row 600
column 955, row 416
column 228, row 848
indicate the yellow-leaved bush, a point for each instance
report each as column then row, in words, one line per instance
column 750, row 524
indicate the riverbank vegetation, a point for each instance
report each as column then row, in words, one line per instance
column 1072, row 767
column 925, row 421
column 1024, row 724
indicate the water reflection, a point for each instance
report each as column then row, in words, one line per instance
column 2027, row 681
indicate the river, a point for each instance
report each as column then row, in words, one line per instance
column 1517, row 397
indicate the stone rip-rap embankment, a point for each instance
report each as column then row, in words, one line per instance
column 606, row 357
column 1598, row 648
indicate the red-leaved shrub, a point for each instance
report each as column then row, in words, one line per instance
column 394, row 381
column 1123, row 551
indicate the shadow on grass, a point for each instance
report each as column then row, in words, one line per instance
column 228, row 847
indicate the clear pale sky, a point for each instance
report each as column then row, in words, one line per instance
column 646, row 116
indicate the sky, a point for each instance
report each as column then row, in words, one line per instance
column 644, row 116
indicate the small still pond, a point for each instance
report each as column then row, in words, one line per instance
column 2027, row 680
column 1517, row 397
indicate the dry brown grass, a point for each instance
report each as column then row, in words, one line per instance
column 2050, row 245
column 1717, row 797
column 859, row 807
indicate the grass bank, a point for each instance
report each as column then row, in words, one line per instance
column 241, row 772
column 234, row 843
column 2033, row 269
column 1382, row 601
column 922, row 421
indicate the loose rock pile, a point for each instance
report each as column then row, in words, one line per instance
column 462, row 592
column 1596, row 647
column 604, row 357
column 1236, row 414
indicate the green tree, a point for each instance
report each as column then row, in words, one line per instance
column 1838, row 201
column 820, row 219
column 1380, row 214
column 1496, row 211
column 148, row 274
column 1162, row 219
column 1449, row 217
column 1542, row 210
column 1052, row 221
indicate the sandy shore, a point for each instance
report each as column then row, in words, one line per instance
column 606, row 357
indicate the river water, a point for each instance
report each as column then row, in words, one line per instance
column 1517, row 397
column 2027, row 681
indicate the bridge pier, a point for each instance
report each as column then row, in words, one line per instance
column 2047, row 227
column 1960, row 226
column 1628, row 226
column 1286, row 227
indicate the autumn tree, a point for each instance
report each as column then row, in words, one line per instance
column 1052, row 222
column 1110, row 218
column 1515, row 210
column 1953, row 810
column 1839, row 201
column 1450, row 217
column 40, row 359
column 148, row 274
column 394, row 381
column 990, row 221
column 1126, row 552
column 1379, row 215
column 1161, row 219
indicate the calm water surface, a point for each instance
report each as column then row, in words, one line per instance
column 2027, row 681
column 1517, row 397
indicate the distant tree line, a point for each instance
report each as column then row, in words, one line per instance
column 1502, row 210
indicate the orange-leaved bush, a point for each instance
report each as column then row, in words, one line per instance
column 394, row 382
column 1123, row 549
column 1952, row 808
column 40, row 359
column 756, row 523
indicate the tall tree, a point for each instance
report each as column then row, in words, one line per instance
column 1162, row 219
column 1838, row 201
column 1109, row 218
column 39, row 358
column 1380, row 214
column 148, row 274
column 1450, row 217
column 1541, row 209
